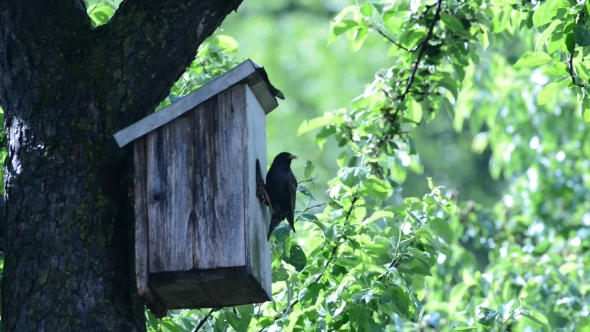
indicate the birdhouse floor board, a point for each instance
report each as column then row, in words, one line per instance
column 207, row 289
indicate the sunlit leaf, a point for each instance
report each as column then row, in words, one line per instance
column 532, row 60
column 296, row 257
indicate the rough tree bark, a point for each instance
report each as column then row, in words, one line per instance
column 65, row 89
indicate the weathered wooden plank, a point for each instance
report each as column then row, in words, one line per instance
column 244, row 72
column 216, row 288
column 219, row 135
column 257, row 219
column 170, row 195
column 141, row 219
column 182, row 290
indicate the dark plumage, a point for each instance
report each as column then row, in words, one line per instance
column 281, row 187
column 273, row 91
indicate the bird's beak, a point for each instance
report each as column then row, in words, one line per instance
column 292, row 157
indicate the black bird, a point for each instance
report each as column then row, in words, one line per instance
column 273, row 91
column 281, row 187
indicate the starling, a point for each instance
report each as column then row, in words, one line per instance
column 281, row 186
column 273, row 91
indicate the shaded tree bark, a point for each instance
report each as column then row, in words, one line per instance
column 65, row 89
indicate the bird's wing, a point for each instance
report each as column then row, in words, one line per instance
column 292, row 193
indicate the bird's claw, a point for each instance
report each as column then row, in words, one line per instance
column 263, row 196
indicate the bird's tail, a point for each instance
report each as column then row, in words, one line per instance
column 274, row 222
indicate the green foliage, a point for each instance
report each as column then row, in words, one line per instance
column 214, row 58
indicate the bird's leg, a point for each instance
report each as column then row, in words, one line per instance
column 267, row 198
column 263, row 195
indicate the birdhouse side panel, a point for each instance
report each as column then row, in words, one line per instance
column 141, row 217
column 258, row 248
column 220, row 139
column 170, row 182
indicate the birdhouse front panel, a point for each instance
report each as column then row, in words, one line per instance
column 200, row 227
column 220, row 149
column 170, row 196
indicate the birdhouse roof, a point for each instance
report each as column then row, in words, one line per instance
column 244, row 73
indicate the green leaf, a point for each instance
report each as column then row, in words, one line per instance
column 280, row 275
column 101, row 14
column 547, row 34
column 454, row 24
column 220, row 322
column 309, row 125
column 309, row 295
column 366, row 9
column 412, row 145
column 281, row 232
column 377, row 215
column 357, row 37
column 246, row 312
column 363, row 295
column 450, row 84
column 531, row 317
column 339, row 25
column 152, row 320
column 585, row 109
column 352, row 176
column 359, row 315
column 296, row 257
column 581, row 35
column 583, row 325
column 486, row 316
column 465, row 328
column 442, row 228
column 343, row 26
column 532, row 60
column 555, row 42
column 305, row 191
column 308, row 170
column 558, row 69
column 414, row 111
column 232, row 319
column 547, row 93
column 480, row 142
column 226, row 43
column 545, row 13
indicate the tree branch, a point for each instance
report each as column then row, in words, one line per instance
column 204, row 320
column 422, row 46
column 571, row 70
column 168, row 32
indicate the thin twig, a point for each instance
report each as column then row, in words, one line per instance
column 422, row 46
column 571, row 70
column 389, row 38
column 509, row 318
column 396, row 252
column 307, row 180
column 309, row 208
column 202, row 322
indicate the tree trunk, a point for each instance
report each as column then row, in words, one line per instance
column 66, row 89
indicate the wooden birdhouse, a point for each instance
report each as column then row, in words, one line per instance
column 200, row 229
